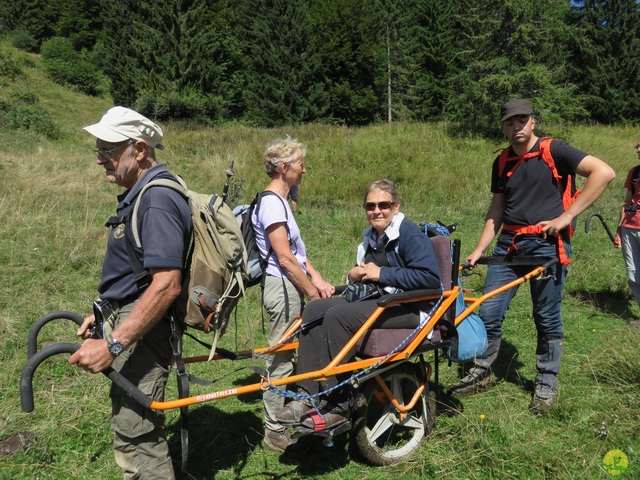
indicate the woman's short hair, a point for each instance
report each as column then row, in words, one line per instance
column 282, row 150
column 385, row 185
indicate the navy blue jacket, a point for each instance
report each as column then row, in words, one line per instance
column 409, row 253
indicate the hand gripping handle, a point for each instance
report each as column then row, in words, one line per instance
column 26, row 379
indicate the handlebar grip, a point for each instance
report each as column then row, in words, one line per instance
column 26, row 378
column 32, row 339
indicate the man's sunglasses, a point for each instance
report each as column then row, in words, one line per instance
column 371, row 206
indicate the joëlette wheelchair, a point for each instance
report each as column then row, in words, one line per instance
column 395, row 372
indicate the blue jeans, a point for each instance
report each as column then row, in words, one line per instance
column 546, row 294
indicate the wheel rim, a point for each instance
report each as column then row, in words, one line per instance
column 387, row 437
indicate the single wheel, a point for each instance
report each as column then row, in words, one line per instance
column 383, row 435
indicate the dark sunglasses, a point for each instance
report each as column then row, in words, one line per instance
column 371, row 206
column 107, row 152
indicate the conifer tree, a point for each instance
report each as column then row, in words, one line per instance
column 282, row 79
column 424, row 39
column 607, row 58
column 509, row 50
column 171, row 58
column 349, row 60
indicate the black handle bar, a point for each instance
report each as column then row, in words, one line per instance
column 32, row 340
column 26, row 379
column 604, row 224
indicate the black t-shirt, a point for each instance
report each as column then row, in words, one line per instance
column 532, row 194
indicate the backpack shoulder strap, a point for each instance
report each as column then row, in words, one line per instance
column 634, row 178
column 545, row 152
column 258, row 200
column 141, row 276
column 178, row 185
column 543, row 147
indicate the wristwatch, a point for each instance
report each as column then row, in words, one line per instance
column 115, row 346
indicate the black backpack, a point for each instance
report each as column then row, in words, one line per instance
column 256, row 264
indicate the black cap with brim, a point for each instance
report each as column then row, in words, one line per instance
column 512, row 108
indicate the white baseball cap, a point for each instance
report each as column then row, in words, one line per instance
column 120, row 124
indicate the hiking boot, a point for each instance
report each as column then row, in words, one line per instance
column 476, row 381
column 543, row 401
column 291, row 413
column 325, row 417
column 283, row 442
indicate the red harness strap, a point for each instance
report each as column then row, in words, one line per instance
column 568, row 196
column 535, row 230
column 544, row 151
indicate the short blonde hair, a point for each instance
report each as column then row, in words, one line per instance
column 282, row 150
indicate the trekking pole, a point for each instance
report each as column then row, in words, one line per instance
column 230, row 173
column 604, row 224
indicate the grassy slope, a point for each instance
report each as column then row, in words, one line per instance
column 53, row 206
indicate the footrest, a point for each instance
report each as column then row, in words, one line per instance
column 343, row 427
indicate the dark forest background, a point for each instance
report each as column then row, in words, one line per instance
column 352, row 62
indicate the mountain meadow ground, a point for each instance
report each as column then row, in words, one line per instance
column 53, row 205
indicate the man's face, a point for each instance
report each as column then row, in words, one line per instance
column 518, row 129
column 119, row 161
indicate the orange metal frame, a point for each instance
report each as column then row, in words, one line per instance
column 336, row 367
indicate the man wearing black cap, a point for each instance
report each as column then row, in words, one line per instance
column 532, row 213
column 136, row 328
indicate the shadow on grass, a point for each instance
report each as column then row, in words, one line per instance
column 220, row 441
column 251, row 378
column 217, row 441
column 508, row 364
column 446, row 404
column 607, row 301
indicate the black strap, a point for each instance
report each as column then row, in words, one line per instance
column 115, row 220
column 183, row 387
column 634, row 178
column 632, row 208
column 141, row 275
column 256, row 207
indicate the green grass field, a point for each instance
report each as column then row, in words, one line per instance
column 53, row 206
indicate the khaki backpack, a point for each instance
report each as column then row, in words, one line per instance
column 216, row 267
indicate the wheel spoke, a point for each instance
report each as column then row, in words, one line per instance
column 396, row 389
column 411, row 421
column 384, row 423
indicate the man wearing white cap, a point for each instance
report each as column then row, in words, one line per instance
column 134, row 311
column 532, row 211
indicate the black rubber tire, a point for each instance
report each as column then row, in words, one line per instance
column 380, row 436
